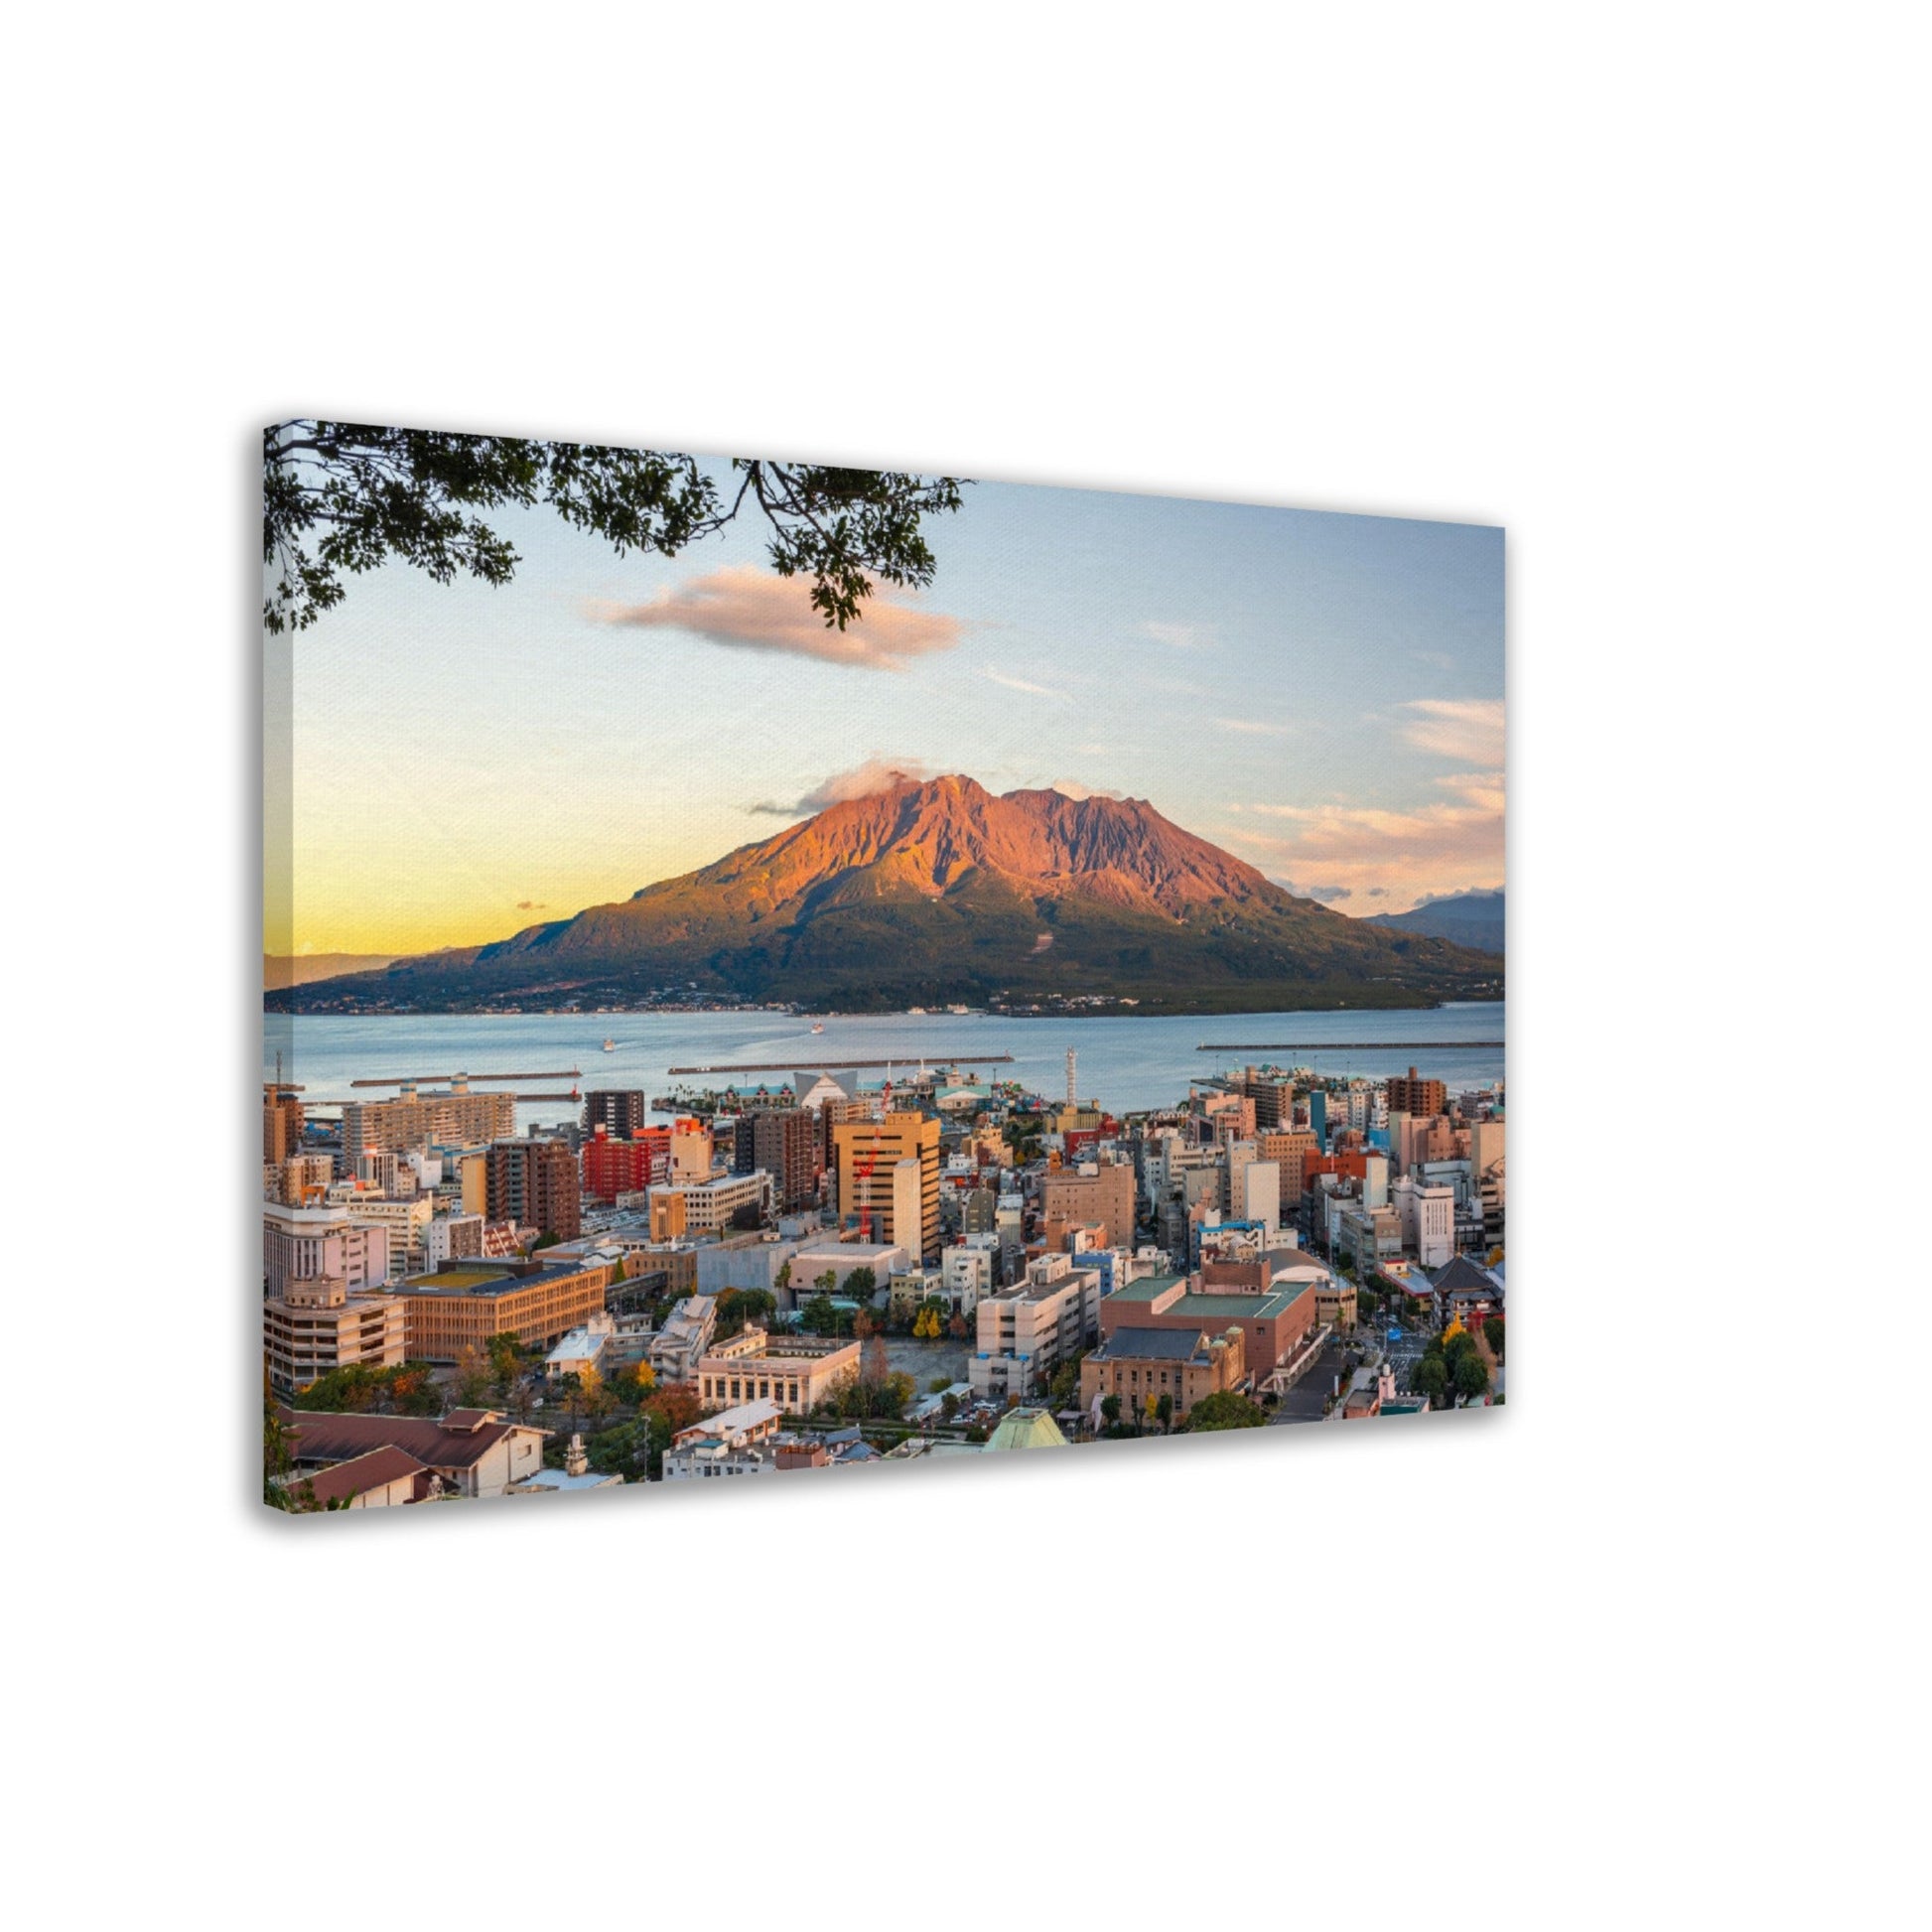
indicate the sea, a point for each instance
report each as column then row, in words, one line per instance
column 1128, row 1064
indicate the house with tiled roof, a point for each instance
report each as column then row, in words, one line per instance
column 474, row 1452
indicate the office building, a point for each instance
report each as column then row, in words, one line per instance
column 873, row 1185
column 435, row 1117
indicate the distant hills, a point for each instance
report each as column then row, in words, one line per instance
column 298, row 969
column 1473, row 920
column 940, row 891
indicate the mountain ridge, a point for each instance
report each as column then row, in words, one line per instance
column 937, row 890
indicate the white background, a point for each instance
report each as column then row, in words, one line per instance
column 1641, row 284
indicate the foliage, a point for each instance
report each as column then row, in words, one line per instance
column 1492, row 1333
column 938, row 1385
column 1469, row 1375
column 1065, row 1385
column 472, row 1383
column 1224, row 1409
column 1432, row 1378
column 743, row 1307
column 1163, row 1411
column 1110, row 1407
column 344, row 497
column 407, row 1389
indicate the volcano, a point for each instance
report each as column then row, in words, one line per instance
column 940, row 891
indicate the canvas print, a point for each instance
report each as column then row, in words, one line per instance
column 770, row 968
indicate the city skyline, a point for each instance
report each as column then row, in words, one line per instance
column 1319, row 694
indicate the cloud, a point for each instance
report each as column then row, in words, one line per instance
column 1021, row 684
column 1254, row 726
column 1405, row 857
column 1181, row 637
column 1327, row 894
column 750, row 609
column 875, row 775
column 1439, row 660
column 531, row 906
column 1073, row 788
column 1469, row 730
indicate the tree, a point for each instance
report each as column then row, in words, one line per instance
column 471, row 1379
column 1470, row 1376
column 1110, row 1407
column 949, row 1407
column 957, row 1328
column 818, row 1315
column 1164, row 1412
column 877, row 1367
column 862, row 1284
column 505, row 1358
column 1224, row 1409
column 1432, row 1378
column 592, row 1395
column 636, row 1382
column 1492, row 1333
column 343, row 497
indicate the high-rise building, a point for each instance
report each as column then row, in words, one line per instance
column 869, row 1153
column 281, row 1125
column 620, row 1112
column 1413, row 1095
column 783, row 1141
column 535, row 1185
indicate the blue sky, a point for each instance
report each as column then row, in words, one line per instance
column 1321, row 694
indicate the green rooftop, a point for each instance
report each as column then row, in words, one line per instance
column 456, row 1278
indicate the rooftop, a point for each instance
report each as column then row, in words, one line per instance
column 1152, row 1344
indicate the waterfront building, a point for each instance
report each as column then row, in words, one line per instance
column 440, row 1117
column 620, row 1112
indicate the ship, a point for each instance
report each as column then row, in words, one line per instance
column 610, row 1045
column 818, row 1025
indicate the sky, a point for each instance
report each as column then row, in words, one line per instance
column 1319, row 694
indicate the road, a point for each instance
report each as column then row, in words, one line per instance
column 1303, row 1403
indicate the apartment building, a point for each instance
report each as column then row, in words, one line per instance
column 440, row 1117
column 534, row 1183
column 1024, row 1333
column 317, row 1326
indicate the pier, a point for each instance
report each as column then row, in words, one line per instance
column 809, row 1063
column 1345, row 1045
column 430, row 1079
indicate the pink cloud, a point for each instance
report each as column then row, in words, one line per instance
column 1402, row 857
column 875, row 775
column 755, row 609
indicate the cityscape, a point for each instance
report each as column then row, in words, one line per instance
column 824, row 1270
column 770, row 966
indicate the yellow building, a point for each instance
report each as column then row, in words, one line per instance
column 868, row 1154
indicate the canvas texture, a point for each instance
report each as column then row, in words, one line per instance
column 770, row 966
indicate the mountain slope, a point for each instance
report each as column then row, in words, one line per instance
column 1473, row 920
column 942, row 892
